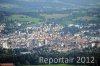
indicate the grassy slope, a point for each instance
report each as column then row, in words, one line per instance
column 60, row 18
column 24, row 18
column 74, row 16
column 55, row 16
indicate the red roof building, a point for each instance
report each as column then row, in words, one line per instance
column 6, row 64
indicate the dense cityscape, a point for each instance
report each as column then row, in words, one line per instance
column 52, row 36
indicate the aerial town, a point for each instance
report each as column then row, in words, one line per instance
column 49, row 32
column 51, row 36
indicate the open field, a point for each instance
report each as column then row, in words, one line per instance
column 24, row 18
column 55, row 16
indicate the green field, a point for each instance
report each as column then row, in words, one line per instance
column 55, row 16
column 24, row 18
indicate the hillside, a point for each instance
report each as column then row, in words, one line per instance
column 62, row 12
column 46, row 5
column 60, row 17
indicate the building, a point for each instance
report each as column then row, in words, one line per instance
column 7, row 64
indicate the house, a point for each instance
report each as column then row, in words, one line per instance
column 7, row 64
column 98, row 44
column 25, row 53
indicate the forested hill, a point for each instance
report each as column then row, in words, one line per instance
column 46, row 5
